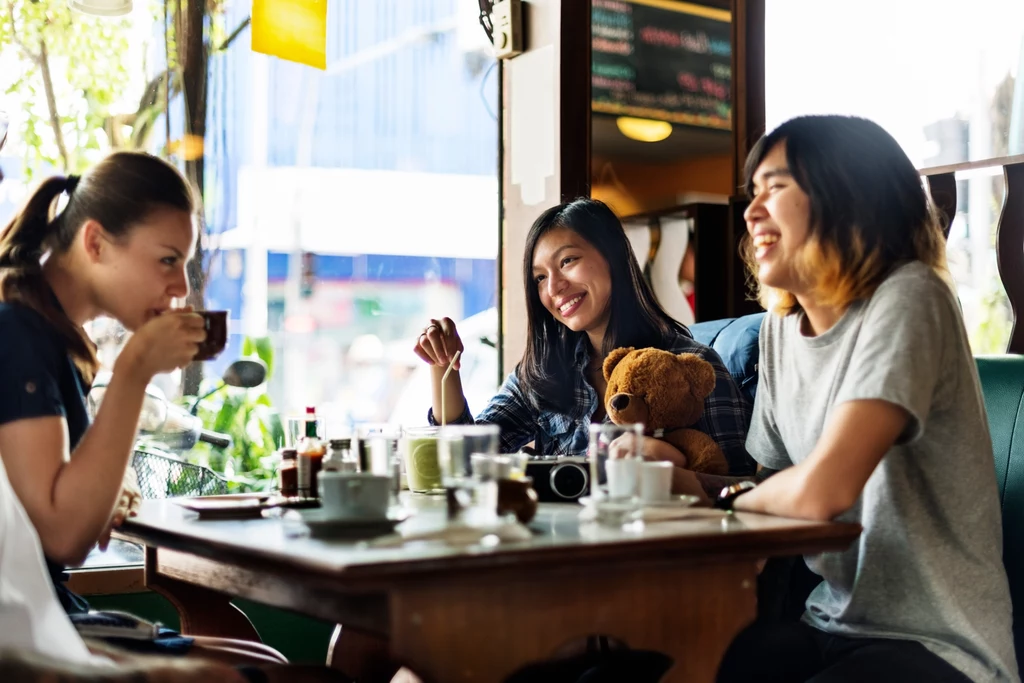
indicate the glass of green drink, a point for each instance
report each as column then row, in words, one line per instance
column 419, row 450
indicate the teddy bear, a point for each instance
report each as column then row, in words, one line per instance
column 665, row 392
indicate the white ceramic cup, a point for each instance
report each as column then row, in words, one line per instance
column 623, row 476
column 354, row 495
column 656, row 481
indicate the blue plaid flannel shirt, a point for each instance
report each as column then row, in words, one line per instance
column 726, row 416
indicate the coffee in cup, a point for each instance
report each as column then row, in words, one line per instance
column 216, row 324
column 516, row 496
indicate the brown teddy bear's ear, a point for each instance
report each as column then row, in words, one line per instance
column 613, row 359
column 702, row 373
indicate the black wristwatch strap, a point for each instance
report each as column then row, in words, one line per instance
column 727, row 498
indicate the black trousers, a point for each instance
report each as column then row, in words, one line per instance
column 798, row 653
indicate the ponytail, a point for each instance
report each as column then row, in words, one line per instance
column 119, row 193
column 22, row 245
column 22, row 241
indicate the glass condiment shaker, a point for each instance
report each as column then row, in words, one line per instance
column 288, row 473
column 340, row 457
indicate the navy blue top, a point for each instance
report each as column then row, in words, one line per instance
column 39, row 379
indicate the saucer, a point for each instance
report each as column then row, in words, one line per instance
column 295, row 502
column 322, row 526
column 244, row 506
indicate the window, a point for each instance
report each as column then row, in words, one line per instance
column 343, row 208
column 943, row 77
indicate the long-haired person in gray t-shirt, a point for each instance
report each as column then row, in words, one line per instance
column 869, row 410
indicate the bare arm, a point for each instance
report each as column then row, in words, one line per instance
column 454, row 398
column 704, row 486
column 70, row 500
column 830, row 481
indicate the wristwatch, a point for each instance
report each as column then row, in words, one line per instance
column 729, row 494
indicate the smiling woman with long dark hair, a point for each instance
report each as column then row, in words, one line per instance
column 586, row 296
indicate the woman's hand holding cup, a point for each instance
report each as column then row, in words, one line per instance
column 165, row 343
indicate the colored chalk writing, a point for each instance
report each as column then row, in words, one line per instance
column 657, row 61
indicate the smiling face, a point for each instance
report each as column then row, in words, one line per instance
column 778, row 222
column 137, row 277
column 573, row 281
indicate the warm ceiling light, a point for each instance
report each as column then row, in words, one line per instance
column 102, row 8
column 644, row 130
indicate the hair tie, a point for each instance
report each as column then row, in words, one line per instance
column 70, row 183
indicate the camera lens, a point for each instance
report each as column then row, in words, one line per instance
column 568, row 480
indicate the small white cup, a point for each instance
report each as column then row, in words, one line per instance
column 354, row 495
column 623, row 476
column 656, row 481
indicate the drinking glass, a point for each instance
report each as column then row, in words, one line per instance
column 376, row 448
column 457, row 444
column 299, row 427
column 418, row 446
column 614, row 456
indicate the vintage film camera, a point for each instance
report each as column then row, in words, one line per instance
column 559, row 478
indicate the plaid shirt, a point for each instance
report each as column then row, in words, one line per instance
column 726, row 414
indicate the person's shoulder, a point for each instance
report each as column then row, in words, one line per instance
column 682, row 343
column 18, row 318
column 24, row 332
column 916, row 288
column 775, row 325
column 914, row 279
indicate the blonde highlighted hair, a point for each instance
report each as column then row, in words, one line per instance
column 869, row 212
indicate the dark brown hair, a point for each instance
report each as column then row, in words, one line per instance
column 118, row 193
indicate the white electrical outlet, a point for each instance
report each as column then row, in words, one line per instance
column 507, row 20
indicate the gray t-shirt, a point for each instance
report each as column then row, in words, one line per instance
column 928, row 566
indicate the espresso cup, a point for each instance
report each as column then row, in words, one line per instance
column 216, row 324
column 354, row 495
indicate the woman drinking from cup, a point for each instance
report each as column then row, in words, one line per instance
column 869, row 410
column 586, row 296
column 119, row 247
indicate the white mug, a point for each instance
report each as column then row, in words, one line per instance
column 354, row 495
column 623, row 476
column 656, row 481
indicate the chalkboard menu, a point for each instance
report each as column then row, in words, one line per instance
column 663, row 60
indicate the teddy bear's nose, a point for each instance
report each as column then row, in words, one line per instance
column 620, row 401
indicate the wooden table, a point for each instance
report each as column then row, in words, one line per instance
column 683, row 587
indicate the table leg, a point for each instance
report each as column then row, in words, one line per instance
column 202, row 612
column 469, row 629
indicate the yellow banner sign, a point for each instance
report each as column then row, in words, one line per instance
column 295, row 30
